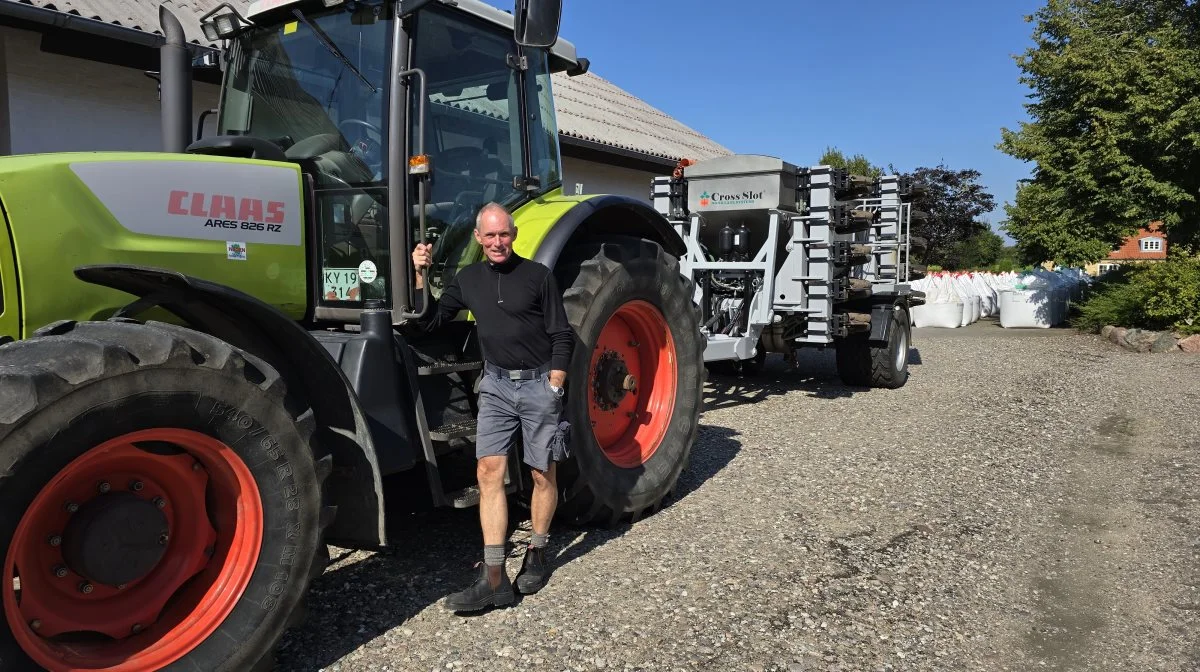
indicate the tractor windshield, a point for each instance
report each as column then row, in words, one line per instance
column 314, row 86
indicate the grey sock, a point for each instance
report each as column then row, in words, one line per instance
column 539, row 540
column 493, row 555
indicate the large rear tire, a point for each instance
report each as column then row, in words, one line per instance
column 637, row 325
column 158, row 487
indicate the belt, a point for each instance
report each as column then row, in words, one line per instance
column 516, row 374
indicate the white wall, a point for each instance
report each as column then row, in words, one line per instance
column 599, row 178
column 58, row 103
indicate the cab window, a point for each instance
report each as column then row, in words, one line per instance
column 472, row 131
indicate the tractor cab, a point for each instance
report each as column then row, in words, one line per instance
column 406, row 117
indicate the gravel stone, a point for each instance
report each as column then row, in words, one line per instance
column 1027, row 501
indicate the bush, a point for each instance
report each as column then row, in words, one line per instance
column 1005, row 265
column 1162, row 296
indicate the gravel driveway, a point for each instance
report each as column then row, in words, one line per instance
column 1028, row 501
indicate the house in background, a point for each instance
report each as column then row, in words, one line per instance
column 1148, row 245
column 73, row 78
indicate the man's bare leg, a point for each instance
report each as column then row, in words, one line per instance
column 545, row 498
column 493, row 510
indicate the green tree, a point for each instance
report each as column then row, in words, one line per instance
column 976, row 252
column 984, row 251
column 952, row 201
column 1114, row 130
column 857, row 164
column 1009, row 260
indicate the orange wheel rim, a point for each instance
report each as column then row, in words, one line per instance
column 632, row 384
column 59, row 594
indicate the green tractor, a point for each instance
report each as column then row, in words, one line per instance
column 209, row 364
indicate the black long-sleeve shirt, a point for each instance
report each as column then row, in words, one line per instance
column 517, row 308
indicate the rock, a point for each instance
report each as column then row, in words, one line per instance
column 1106, row 331
column 1164, row 343
column 1190, row 344
column 1138, row 340
column 1117, row 335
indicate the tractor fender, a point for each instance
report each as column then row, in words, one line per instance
column 881, row 326
column 355, row 485
column 609, row 215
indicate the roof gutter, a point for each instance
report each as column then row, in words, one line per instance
column 49, row 17
column 619, row 156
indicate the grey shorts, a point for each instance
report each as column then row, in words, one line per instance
column 527, row 406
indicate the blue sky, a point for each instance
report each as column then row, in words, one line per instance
column 908, row 83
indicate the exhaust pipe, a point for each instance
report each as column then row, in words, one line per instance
column 175, row 84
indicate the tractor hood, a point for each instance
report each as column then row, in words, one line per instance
column 232, row 221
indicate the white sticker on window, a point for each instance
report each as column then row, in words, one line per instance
column 203, row 199
column 367, row 272
column 235, row 251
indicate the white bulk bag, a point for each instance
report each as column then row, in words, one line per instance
column 943, row 307
column 986, row 292
column 941, row 315
column 1025, row 309
column 1034, row 301
column 972, row 305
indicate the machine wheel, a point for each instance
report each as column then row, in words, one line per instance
column 636, row 382
column 160, row 501
column 865, row 364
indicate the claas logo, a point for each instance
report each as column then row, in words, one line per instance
column 223, row 206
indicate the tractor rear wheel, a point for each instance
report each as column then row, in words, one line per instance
column 160, row 501
column 636, row 382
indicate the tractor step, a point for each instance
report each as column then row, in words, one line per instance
column 441, row 367
column 468, row 497
column 465, row 498
column 455, row 430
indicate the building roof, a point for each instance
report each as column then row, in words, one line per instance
column 589, row 108
column 137, row 14
column 594, row 109
column 1131, row 248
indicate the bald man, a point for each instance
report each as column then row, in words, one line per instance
column 526, row 343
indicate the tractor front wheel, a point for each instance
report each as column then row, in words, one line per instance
column 636, row 380
column 161, row 501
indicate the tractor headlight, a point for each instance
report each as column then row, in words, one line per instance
column 222, row 26
column 226, row 24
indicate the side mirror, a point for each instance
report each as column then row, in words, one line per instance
column 537, row 22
